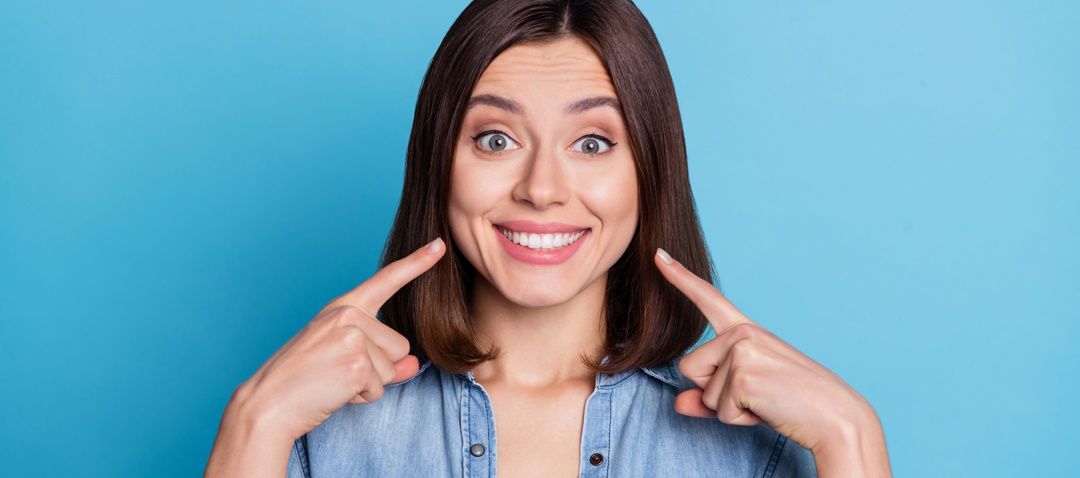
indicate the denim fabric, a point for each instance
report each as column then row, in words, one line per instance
column 426, row 425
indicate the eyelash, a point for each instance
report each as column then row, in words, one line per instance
column 476, row 140
column 611, row 144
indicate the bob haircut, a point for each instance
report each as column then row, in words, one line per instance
column 647, row 320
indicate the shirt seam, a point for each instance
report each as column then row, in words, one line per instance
column 301, row 455
column 466, row 430
column 661, row 377
column 778, row 448
column 490, row 414
column 611, row 433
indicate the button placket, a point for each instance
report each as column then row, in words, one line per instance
column 596, row 432
column 477, row 431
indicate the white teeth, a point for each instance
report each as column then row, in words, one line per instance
column 541, row 241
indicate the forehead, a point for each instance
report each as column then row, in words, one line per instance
column 567, row 66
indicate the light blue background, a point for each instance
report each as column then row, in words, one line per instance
column 889, row 186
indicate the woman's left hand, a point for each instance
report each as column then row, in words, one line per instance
column 747, row 375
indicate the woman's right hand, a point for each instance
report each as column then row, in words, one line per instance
column 341, row 356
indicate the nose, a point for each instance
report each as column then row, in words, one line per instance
column 543, row 181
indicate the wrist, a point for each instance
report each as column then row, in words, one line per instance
column 258, row 416
column 854, row 446
column 249, row 442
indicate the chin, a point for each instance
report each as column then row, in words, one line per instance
column 536, row 295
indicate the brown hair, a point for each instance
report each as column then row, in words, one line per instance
column 648, row 321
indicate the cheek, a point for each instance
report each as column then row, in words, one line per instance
column 462, row 205
column 614, row 200
column 472, row 196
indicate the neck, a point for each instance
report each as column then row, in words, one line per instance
column 540, row 346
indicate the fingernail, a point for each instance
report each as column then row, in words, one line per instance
column 435, row 246
column 663, row 255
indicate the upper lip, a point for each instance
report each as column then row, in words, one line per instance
column 538, row 227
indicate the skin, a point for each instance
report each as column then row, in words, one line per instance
column 543, row 318
column 342, row 356
column 747, row 375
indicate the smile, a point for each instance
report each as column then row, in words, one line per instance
column 538, row 241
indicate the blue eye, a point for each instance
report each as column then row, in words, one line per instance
column 593, row 144
column 494, row 141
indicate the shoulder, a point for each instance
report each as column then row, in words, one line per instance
column 701, row 443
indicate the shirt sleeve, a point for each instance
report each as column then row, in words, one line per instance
column 298, row 459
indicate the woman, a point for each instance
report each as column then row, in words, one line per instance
column 547, row 161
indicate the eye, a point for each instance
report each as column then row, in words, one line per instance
column 593, row 144
column 494, row 141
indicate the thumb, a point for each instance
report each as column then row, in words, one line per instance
column 689, row 403
column 406, row 368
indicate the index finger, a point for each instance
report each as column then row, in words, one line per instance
column 720, row 312
column 374, row 292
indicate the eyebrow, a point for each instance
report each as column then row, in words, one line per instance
column 496, row 101
column 577, row 107
column 583, row 105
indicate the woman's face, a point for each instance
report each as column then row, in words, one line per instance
column 543, row 157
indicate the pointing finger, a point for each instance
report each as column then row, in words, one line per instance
column 374, row 292
column 721, row 313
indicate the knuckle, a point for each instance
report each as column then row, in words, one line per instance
column 743, row 351
column 348, row 315
column 745, row 331
column 727, row 413
column 399, row 347
column 242, row 392
column 740, row 381
column 354, row 339
column 709, row 400
column 361, row 367
column 374, row 392
column 350, row 312
column 692, row 367
column 684, row 366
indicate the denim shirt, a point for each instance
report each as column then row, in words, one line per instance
column 439, row 424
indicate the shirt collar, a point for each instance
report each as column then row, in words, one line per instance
column 666, row 372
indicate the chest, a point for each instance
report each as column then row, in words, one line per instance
column 431, row 426
column 539, row 432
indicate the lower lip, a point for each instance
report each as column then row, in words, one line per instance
column 539, row 256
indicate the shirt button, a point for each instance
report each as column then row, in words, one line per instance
column 477, row 449
column 596, row 459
